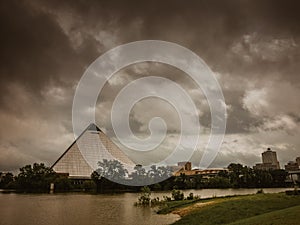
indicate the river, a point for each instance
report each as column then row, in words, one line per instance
column 86, row 209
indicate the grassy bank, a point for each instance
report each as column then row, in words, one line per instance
column 260, row 209
column 288, row 216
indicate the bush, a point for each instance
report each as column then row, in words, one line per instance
column 177, row 195
column 145, row 199
column 190, row 197
column 197, row 197
column 260, row 191
column 166, row 198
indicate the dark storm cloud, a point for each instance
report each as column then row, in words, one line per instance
column 253, row 47
column 34, row 42
column 34, row 49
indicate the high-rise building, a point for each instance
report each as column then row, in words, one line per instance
column 298, row 160
column 270, row 157
column 269, row 161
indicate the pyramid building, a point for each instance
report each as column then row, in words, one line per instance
column 81, row 158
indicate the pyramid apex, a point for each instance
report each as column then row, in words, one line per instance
column 93, row 127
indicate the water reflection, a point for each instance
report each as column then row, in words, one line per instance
column 71, row 209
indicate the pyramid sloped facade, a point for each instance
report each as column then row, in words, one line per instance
column 92, row 146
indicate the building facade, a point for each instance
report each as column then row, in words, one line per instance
column 186, row 169
column 269, row 161
column 185, row 165
column 83, row 155
column 291, row 166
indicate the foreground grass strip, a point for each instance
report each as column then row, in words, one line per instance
column 237, row 208
column 288, row 216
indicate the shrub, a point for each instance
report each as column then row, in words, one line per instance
column 177, row 195
column 190, row 197
column 145, row 199
column 166, row 198
column 260, row 191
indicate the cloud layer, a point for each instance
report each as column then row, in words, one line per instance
column 251, row 46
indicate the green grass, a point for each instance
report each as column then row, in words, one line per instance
column 288, row 216
column 239, row 208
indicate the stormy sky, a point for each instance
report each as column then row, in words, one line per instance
column 251, row 46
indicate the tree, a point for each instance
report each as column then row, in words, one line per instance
column 7, row 181
column 112, row 170
column 219, row 182
column 164, row 172
column 263, row 178
column 145, row 197
column 155, row 174
column 241, row 176
column 89, row 185
column 223, row 173
column 95, row 176
column 139, row 176
column 36, row 178
column 279, row 177
column 181, row 181
column 62, row 184
column 198, row 181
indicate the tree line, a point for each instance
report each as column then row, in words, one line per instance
column 38, row 177
column 35, row 178
column 237, row 176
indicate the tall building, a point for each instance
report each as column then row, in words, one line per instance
column 83, row 155
column 298, row 160
column 269, row 161
column 270, row 157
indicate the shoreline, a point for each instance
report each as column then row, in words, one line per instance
column 218, row 192
column 237, row 209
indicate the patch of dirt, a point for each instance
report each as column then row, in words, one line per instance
column 188, row 209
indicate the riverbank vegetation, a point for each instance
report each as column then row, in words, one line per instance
column 257, row 209
column 177, row 196
column 38, row 177
column 237, row 176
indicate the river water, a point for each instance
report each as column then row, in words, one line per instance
column 85, row 209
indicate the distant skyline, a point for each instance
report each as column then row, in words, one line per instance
column 251, row 46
